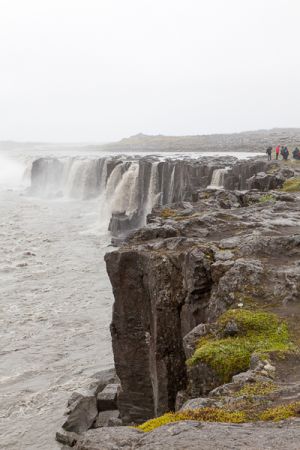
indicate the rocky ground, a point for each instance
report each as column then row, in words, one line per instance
column 205, row 324
column 251, row 141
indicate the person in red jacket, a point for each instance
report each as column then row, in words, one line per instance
column 277, row 151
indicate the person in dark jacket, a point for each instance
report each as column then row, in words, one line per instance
column 296, row 153
column 285, row 153
column 269, row 153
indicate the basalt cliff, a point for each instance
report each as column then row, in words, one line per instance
column 205, row 325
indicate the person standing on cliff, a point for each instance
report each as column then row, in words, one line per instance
column 269, row 153
column 277, row 151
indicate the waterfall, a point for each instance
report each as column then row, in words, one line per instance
column 68, row 177
column 113, row 181
column 127, row 188
column 217, row 179
column 171, row 187
column 153, row 190
column 125, row 196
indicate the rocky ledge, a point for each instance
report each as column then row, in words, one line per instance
column 205, row 322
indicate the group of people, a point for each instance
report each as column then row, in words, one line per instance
column 283, row 151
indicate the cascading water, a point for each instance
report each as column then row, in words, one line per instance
column 171, row 188
column 217, row 179
column 125, row 196
column 153, row 197
column 127, row 188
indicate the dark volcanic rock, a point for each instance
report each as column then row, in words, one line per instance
column 107, row 399
column 160, row 295
column 106, row 418
column 184, row 270
column 102, row 379
column 82, row 412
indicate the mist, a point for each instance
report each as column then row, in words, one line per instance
column 99, row 70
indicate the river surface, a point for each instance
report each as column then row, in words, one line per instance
column 55, row 310
column 55, row 302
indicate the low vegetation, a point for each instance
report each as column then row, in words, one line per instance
column 281, row 412
column 274, row 414
column 267, row 198
column 251, row 390
column 257, row 332
column 292, row 185
column 200, row 415
column 167, row 213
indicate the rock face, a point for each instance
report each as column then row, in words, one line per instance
column 187, row 267
column 160, row 295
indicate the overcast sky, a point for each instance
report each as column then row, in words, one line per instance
column 99, row 70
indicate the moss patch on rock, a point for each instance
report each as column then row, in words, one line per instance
column 167, row 213
column 199, row 415
column 258, row 332
column 274, row 414
column 292, row 185
column 267, row 198
column 281, row 412
column 251, row 390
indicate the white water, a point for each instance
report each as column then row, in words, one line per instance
column 55, row 308
column 153, row 192
column 124, row 198
column 217, row 179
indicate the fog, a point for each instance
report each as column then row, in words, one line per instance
column 99, row 70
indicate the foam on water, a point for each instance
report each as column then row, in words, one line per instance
column 55, row 309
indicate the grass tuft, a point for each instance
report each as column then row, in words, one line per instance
column 292, row 185
column 167, row 213
column 281, row 412
column 267, row 198
column 258, row 388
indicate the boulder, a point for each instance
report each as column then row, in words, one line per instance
column 108, row 438
column 101, row 379
column 106, row 418
column 66, row 437
column 81, row 413
column 202, row 402
column 107, row 399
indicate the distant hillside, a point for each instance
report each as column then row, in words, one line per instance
column 249, row 141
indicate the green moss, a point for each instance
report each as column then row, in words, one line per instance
column 258, row 332
column 267, row 198
column 200, row 415
column 281, row 412
column 292, row 185
column 166, row 213
column 251, row 390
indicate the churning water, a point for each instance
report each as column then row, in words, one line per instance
column 55, row 309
